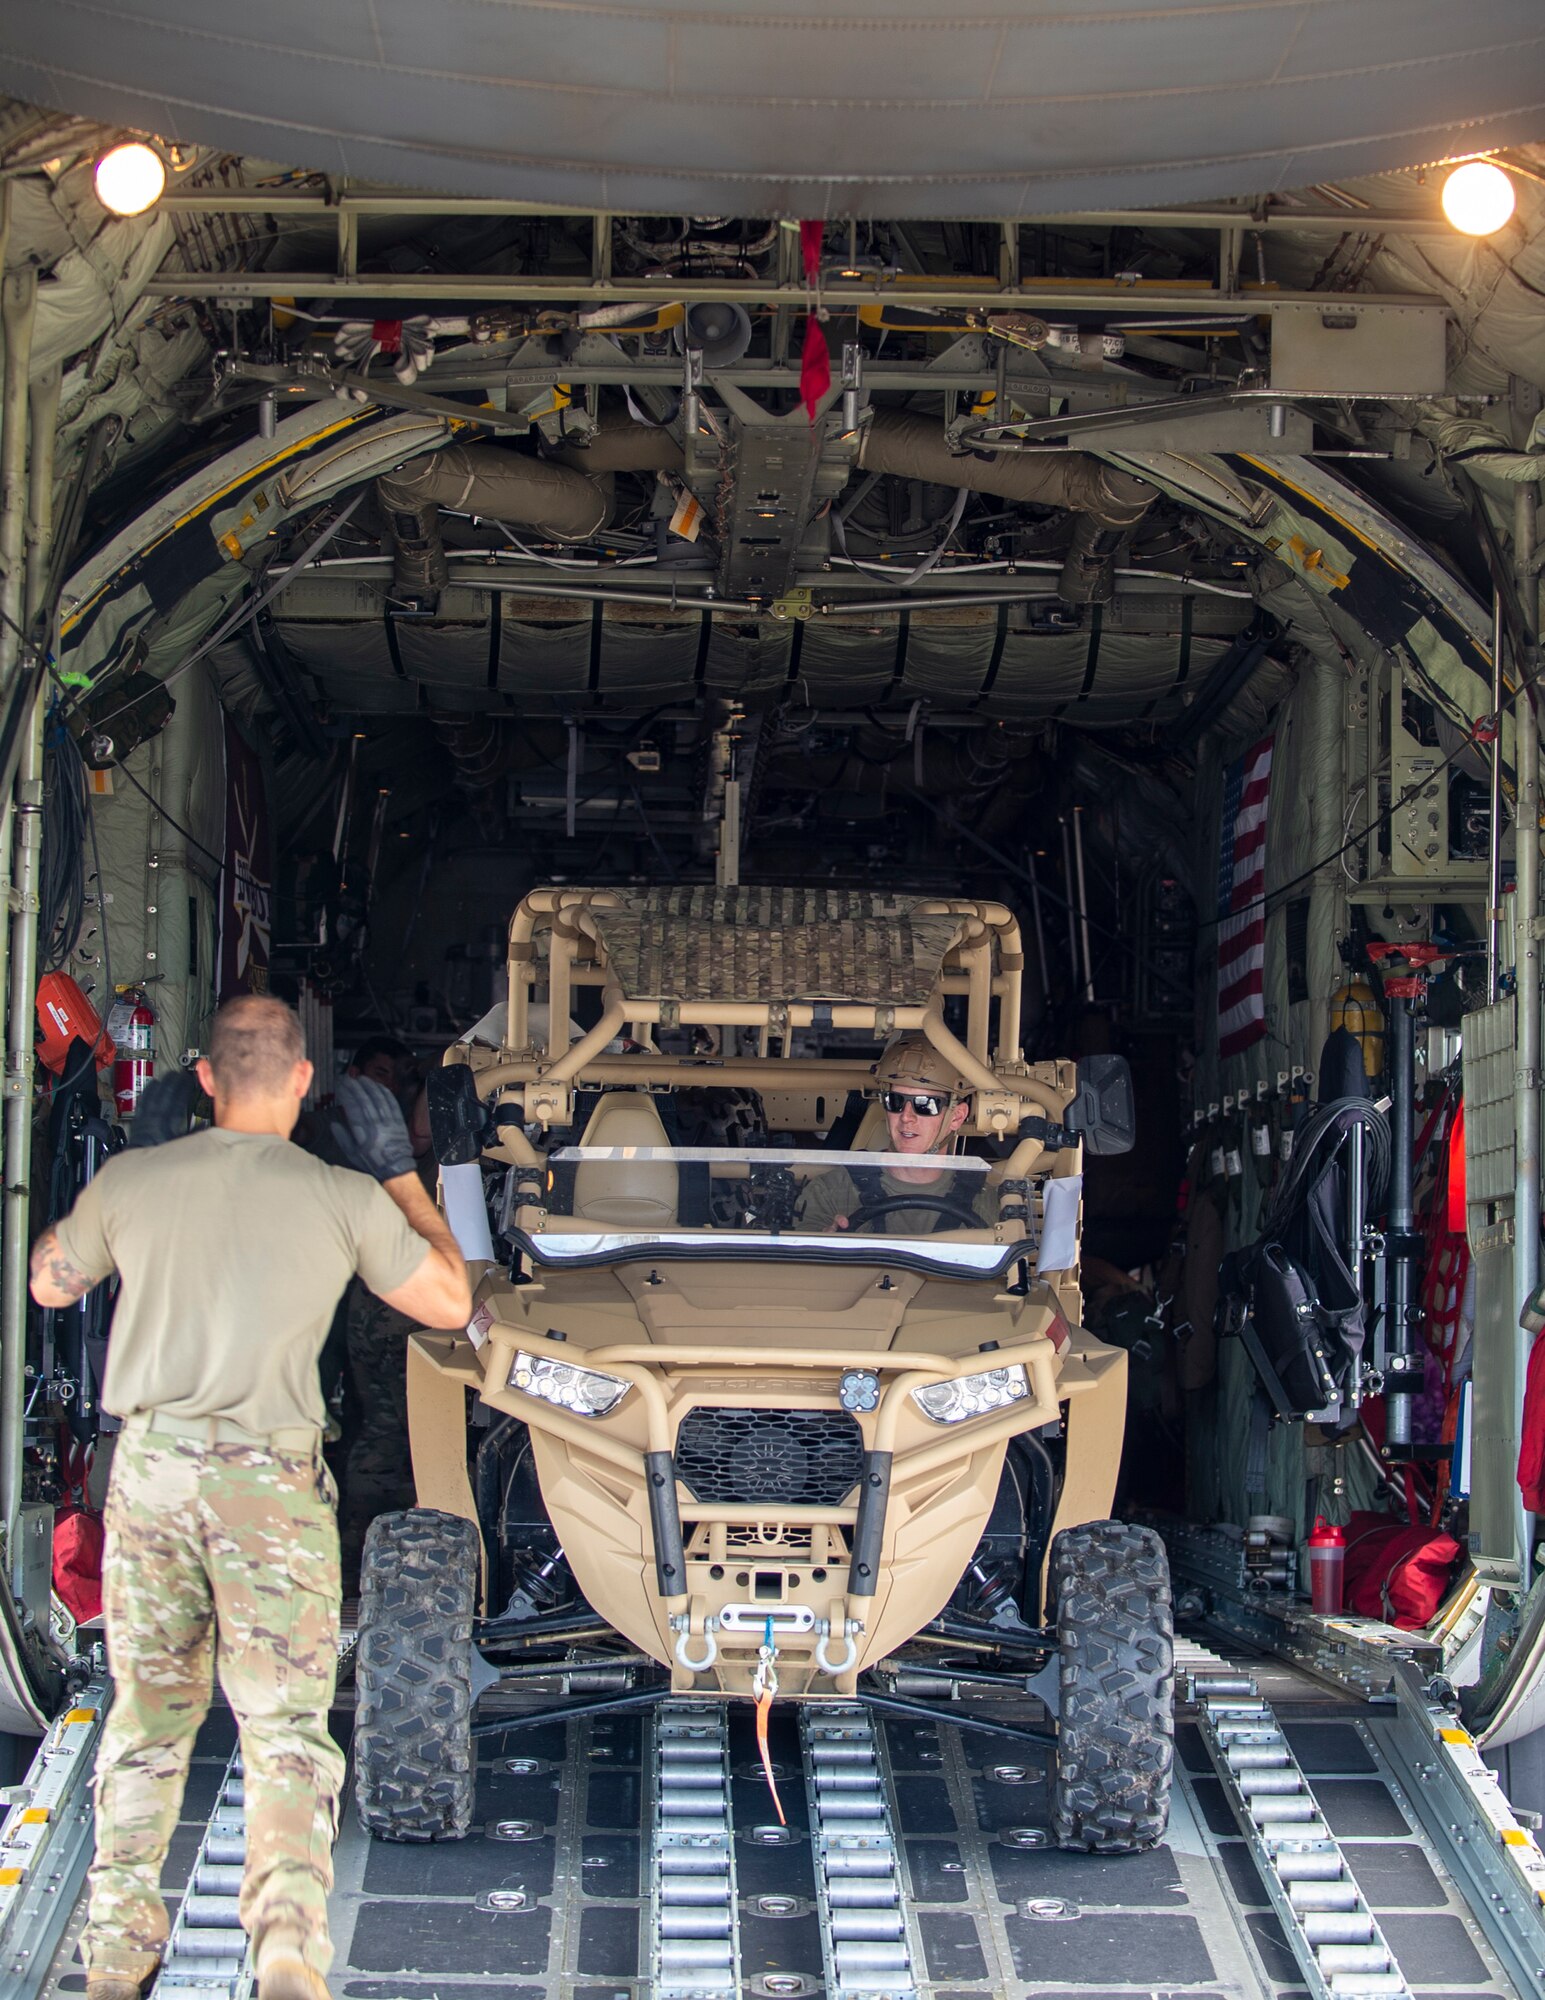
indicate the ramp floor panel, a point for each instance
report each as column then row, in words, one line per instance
column 548, row 1899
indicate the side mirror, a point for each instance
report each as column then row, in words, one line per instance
column 457, row 1116
column 1102, row 1113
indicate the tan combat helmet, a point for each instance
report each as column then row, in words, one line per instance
column 913, row 1063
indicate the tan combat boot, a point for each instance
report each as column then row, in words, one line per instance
column 285, row 1975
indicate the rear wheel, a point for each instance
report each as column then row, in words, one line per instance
column 1116, row 1661
column 413, row 1751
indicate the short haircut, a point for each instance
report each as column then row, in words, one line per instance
column 255, row 1042
column 379, row 1045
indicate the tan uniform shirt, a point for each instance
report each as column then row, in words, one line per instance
column 835, row 1193
column 233, row 1248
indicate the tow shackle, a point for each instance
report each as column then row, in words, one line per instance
column 684, row 1657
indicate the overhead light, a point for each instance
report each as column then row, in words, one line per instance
column 130, row 178
column 856, row 270
column 1478, row 198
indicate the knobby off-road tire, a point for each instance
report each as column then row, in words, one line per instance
column 1116, row 1662
column 414, row 1757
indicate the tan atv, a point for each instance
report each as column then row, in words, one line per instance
column 745, row 1444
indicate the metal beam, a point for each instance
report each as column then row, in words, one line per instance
column 983, row 295
column 478, row 366
column 1526, row 960
column 1337, row 221
column 513, row 578
column 1495, row 1863
column 20, row 295
column 47, row 1840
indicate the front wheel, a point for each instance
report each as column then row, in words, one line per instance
column 1116, row 1676
column 414, row 1758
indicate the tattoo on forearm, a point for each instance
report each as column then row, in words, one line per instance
column 49, row 1261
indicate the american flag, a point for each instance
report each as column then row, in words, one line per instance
column 1241, row 882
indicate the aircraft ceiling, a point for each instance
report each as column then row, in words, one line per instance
column 1087, row 504
column 814, row 108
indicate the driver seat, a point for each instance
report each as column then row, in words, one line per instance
column 872, row 1135
column 631, row 1194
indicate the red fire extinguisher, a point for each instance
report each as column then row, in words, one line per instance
column 132, row 1025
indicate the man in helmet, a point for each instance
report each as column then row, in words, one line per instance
column 926, row 1103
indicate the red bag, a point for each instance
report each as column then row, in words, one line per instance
column 1531, row 1445
column 78, row 1540
column 1397, row 1573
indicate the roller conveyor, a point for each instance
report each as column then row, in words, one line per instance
column 695, row 1927
column 207, row 1955
column 865, row 1947
column 1332, row 1932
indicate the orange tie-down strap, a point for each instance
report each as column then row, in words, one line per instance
column 764, row 1702
column 764, row 1685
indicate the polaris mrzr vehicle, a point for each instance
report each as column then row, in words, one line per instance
column 695, row 1444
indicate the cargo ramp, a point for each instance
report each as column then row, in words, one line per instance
column 1333, row 1840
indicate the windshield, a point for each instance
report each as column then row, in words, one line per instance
column 933, row 1211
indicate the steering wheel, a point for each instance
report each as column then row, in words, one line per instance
column 889, row 1204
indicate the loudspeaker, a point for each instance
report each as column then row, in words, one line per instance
column 720, row 330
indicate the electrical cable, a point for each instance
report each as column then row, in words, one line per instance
column 108, row 989
column 1346, row 828
column 653, row 838
column 62, row 866
column 248, row 609
column 176, row 825
column 585, row 562
column 278, row 895
column 915, row 575
column 1017, row 563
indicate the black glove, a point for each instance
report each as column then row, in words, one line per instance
column 370, row 1133
column 165, row 1106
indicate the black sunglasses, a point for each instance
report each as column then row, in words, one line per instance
column 926, row 1104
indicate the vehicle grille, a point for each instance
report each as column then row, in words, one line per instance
column 790, row 1541
column 807, row 1458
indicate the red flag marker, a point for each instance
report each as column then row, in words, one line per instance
column 815, row 369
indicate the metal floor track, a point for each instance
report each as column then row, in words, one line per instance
column 557, row 1894
column 208, row 1837
column 552, row 1898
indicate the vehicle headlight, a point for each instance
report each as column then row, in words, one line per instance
column 972, row 1395
column 585, row 1391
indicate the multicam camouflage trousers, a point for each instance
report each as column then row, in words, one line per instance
column 378, row 1472
column 218, row 1556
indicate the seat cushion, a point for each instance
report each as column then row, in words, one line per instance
column 633, row 1194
